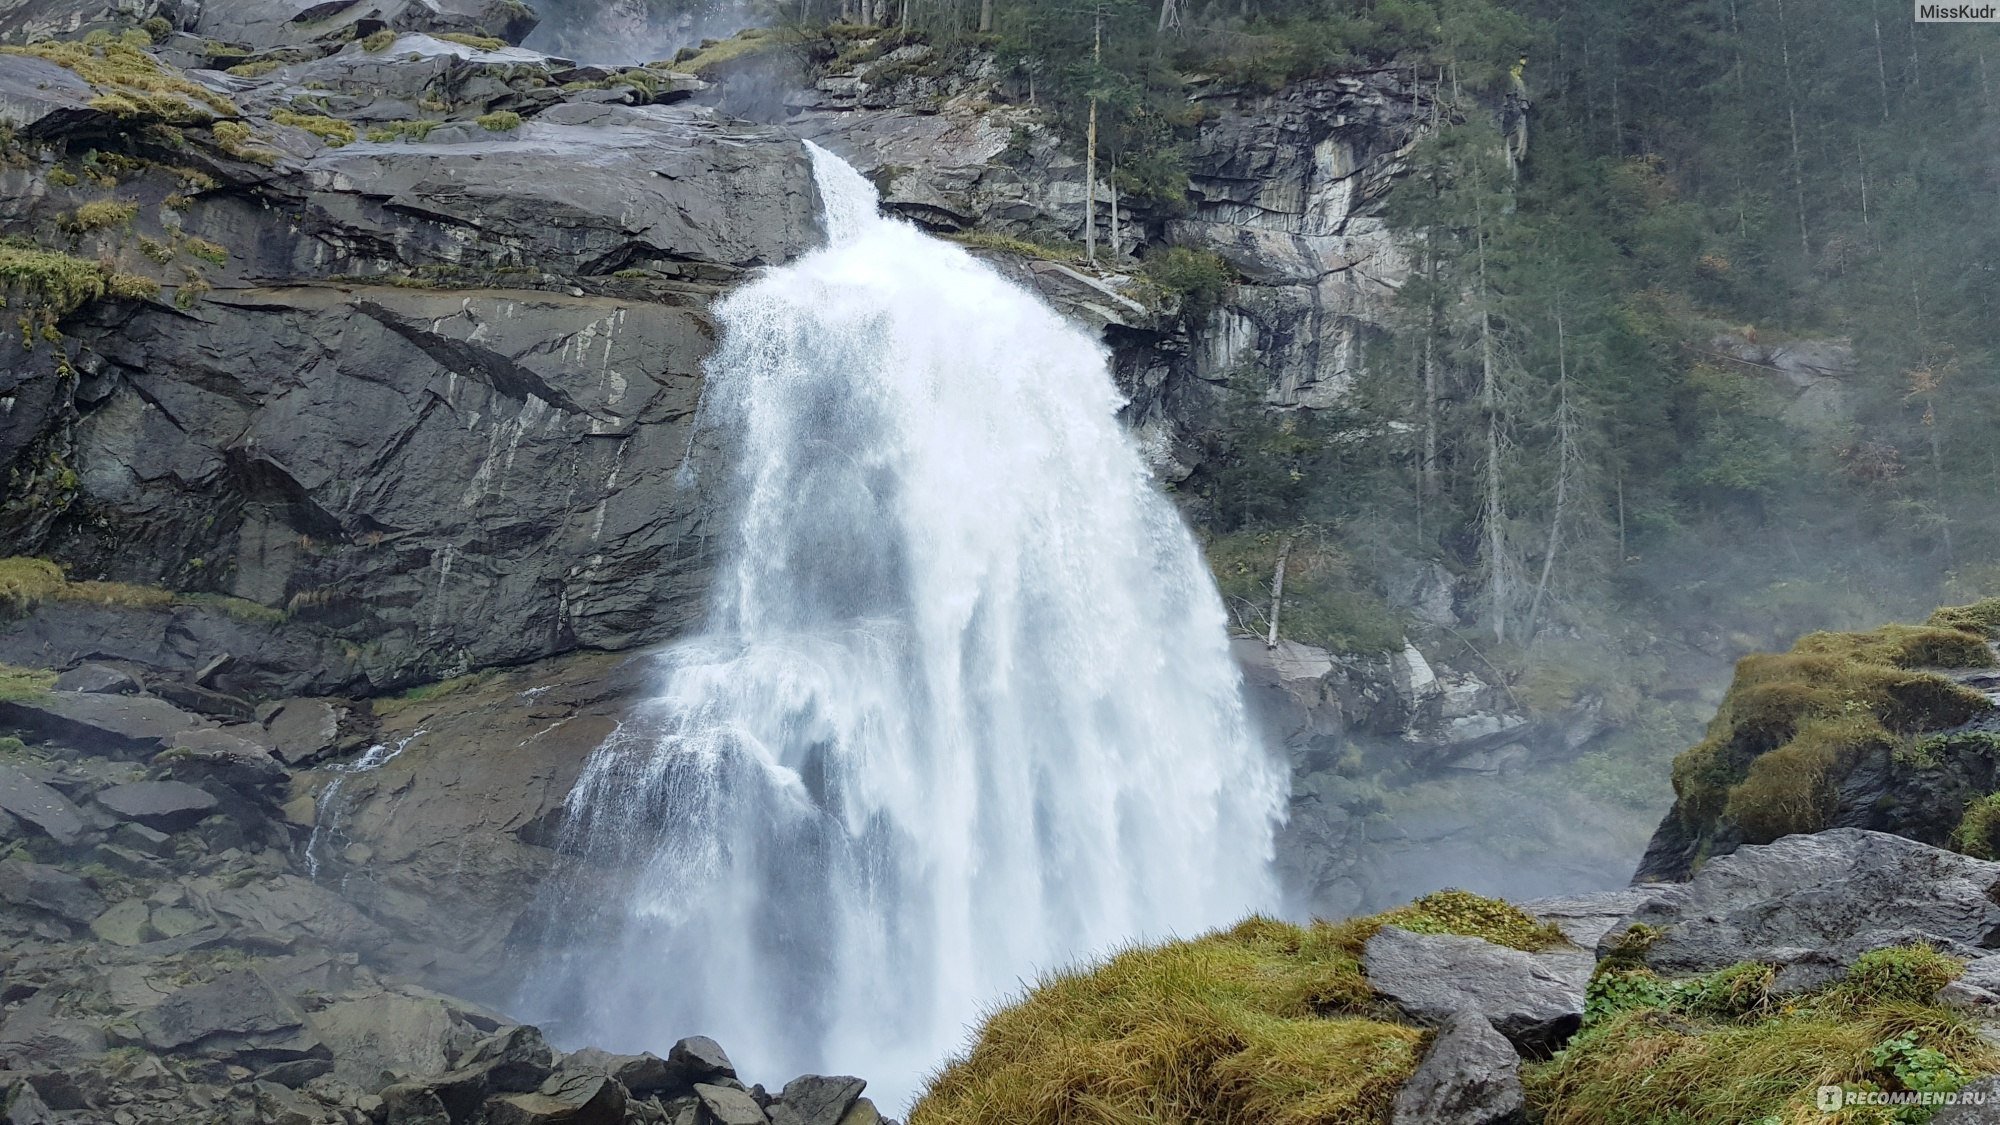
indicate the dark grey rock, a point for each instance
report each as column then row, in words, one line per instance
column 582, row 1099
column 1585, row 918
column 640, row 1074
column 34, row 1035
column 411, row 1103
column 300, row 730
column 1836, row 894
column 275, row 23
column 100, row 724
column 165, row 806
column 699, row 1059
column 237, row 1004
column 21, row 1105
column 515, row 1060
column 139, row 838
column 727, row 1105
column 98, row 679
column 39, row 806
column 222, row 757
column 51, row 889
column 40, row 99
column 1470, row 1075
column 1534, row 999
column 812, row 1099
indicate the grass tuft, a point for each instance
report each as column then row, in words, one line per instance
column 20, row 684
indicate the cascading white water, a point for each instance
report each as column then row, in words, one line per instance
column 964, row 712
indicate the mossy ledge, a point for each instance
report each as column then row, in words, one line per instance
column 26, row 583
column 1795, row 726
column 1267, row 1023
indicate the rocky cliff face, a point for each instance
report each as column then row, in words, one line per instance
column 425, row 397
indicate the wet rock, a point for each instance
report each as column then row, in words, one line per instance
column 275, row 23
column 126, row 923
column 165, row 806
column 726, row 1105
column 51, row 889
column 1585, row 918
column 813, row 1099
column 700, row 1059
column 1534, row 999
column 1470, row 1075
column 40, row 99
column 97, row 679
column 1837, row 893
column 118, row 725
column 410, row 1103
column 39, row 806
column 300, row 730
column 238, row 1005
column 223, row 757
column 515, row 1060
column 640, row 1074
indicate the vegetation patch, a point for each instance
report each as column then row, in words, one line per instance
column 412, row 130
column 1794, row 723
column 1265, row 1024
column 27, row 582
column 131, row 82
column 476, row 42
column 504, row 121
column 1723, row 1047
column 1026, row 248
column 1195, row 282
column 333, row 131
column 424, row 693
column 50, row 285
column 380, row 41
column 18, row 684
column 714, row 52
column 102, row 214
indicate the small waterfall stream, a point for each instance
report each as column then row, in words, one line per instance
column 964, row 710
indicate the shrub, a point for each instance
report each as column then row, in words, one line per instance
column 1978, row 831
column 380, row 41
column 1196, row 279
column 101, row 215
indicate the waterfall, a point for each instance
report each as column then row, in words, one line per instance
column 964, row 710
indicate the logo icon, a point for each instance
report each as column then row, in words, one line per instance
column 1828, row 1099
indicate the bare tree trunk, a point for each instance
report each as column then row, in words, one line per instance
column 1565, row 445
column 1792, row 115
column 1278, row 591
column 1117, row 241
column 1489, row 400
column 1881, row 69
column 985, row 17
column 1170, row 17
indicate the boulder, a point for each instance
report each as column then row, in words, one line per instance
column 813, row 1099
column 727, row 1105
column 1470, row 1075
column 262, row 24
column 38, row 806
column 1827, row 897
column 700, row 1059
column 415, row 1036
column 164, row 806
column 126, row 923
column 411, row 1103
column 119, row 725
column 35, row 1034
column 862, row 1112
column 1585, row 918
column 97, row 679
column 237, row 1005
column 50, row 889
column 1534, row 999
column 640, row 1074
column 300, row 730
column 514, row 1060
column 577, row 1099
column 223, row 757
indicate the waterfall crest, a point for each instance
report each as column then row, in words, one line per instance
column 964, row 710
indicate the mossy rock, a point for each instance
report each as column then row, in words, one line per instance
column 1843, row 730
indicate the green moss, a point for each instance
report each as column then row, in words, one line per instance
column 504, row 121
column 47, row 281
column 242, row 609
column 425, row 693
column 380, row 41
column 713, row 53
column 241, row 142
column 17, row 684
column 1257, row 1025
column 1470, row 915
column 101, row 214
column 476, row 42
column 334, row 132
column 62, row 177
column 1722, row 1047
column 414, row 130
column 1978, row 831
column 211, row 252
column 1793, row 724
column 256, row 69
column 131, row 82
